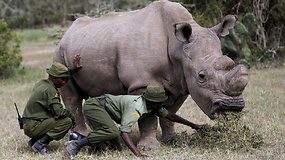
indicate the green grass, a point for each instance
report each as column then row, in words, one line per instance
column 36, row 40
column 33, row 35
column 37, row 46
column 265, row 114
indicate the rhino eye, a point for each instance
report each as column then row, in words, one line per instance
column 202, row 76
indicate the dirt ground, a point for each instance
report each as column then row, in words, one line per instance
column 38, row 57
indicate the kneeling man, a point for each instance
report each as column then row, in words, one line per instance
column 44, row 117
column 125, row 110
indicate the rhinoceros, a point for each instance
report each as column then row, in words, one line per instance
column 123, row 52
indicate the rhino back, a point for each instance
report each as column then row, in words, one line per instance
column 121, row 52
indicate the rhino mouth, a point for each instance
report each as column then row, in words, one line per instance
column 232, row 105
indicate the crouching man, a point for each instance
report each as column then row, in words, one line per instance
column 124, row 110
column 44, row 117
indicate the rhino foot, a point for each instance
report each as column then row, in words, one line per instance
column 165, row 138
column 148, row 144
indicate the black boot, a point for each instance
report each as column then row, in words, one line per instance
column 75, row 136
column 41, row 145
column 74, row 146
column 32, row 141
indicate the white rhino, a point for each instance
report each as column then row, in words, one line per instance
column 123, row 52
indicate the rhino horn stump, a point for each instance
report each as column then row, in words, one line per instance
column 236, row 80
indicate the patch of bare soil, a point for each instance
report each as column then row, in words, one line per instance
column 41, row 58
column 38, row 51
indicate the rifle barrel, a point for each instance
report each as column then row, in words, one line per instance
column 17, row 110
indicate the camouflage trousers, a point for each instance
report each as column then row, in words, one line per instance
column 55, row 128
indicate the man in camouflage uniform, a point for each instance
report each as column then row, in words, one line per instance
column 124, row 110
column 44, row 117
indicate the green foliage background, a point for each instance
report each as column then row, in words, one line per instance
column 265, row 42
column 9, row 51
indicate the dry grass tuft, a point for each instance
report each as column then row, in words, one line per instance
column 228, row 133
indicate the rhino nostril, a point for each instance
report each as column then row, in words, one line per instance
column 215, row 107
column 217, row 103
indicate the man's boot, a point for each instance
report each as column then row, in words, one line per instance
column 41, row 145
column 74, row 146
column 32, row 141
column 75, row 136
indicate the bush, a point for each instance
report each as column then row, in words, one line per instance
column 10, row 58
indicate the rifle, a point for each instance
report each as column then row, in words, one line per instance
column 20, row 119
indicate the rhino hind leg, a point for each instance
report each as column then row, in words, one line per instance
column 167, row 127
column 148, row 127
column 72, row 99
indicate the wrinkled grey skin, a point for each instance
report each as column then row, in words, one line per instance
column 122, row 53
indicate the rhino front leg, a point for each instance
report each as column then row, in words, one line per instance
column 73, row 102
column 148, row 127
column 167, row 127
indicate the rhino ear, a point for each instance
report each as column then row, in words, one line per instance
column 223, row 28
column 183, row 31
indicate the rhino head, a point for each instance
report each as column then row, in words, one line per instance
column 213, row 80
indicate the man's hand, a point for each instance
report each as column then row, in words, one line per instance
column 125, row 136
column 76, row 61
column 199, row 127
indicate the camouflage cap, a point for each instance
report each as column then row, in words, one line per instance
column 58, row 70
column 155, row 93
